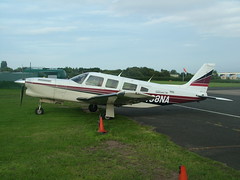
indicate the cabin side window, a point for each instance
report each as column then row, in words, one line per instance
column 94, row 81
column 129, row 86
column 80, row 78
column 143, row 89
column 111, row 83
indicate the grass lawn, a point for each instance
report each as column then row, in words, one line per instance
column 64, row 144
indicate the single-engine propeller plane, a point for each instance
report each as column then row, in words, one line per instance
column 103, row 89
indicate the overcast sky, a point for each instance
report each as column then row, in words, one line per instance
column 115, row 34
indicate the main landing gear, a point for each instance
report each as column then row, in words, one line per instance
column 92, row 107
column 108, row 118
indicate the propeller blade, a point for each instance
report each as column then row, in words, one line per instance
column 22, row 93
column 21, row 81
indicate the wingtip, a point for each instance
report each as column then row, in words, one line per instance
column 224, row 99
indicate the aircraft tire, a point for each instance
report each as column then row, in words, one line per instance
column 93, row 107
column 108, row 118
column 39, row 111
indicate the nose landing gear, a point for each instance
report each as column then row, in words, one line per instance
column 39, row 110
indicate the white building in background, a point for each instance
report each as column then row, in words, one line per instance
column 229, row 75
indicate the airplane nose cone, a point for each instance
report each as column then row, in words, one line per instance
column 20, row 81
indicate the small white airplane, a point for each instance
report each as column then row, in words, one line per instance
column 96, row 89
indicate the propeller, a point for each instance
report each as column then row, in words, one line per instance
column 21, row 81
column 22, row 93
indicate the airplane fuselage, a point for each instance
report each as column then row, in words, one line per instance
column 103, row 89
column 91, row 84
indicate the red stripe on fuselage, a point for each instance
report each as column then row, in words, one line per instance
column 199, row 84
column 44, row 84
column 80, row 89
column 202, row 82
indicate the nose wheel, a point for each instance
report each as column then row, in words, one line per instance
column 39, row 110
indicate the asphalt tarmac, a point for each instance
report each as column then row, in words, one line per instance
column 210, row 128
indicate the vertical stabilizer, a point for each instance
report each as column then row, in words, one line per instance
column 201, row 79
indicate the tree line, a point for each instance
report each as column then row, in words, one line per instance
column 141, row 73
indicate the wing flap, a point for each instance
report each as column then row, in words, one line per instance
column 132, row 98
column 99, row 99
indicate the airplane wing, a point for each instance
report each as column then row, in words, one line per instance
column 215, row 98
column 118, row 99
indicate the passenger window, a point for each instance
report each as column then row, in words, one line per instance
column 129, row 86
column 94, row 81
column 80, row 78
column 143, row 89
column 112, row 83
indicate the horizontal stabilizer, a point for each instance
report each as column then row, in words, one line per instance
column 215, row 98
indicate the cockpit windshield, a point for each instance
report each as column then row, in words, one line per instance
column 80, row 78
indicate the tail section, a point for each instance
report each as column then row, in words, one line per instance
column 201, row 79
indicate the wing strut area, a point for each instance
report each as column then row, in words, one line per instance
column 116, row 99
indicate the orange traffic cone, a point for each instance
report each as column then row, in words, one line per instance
column 182, row 173
column 101, row 126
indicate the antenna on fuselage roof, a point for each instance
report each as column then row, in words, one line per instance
column 150, row 78
column 120, row 73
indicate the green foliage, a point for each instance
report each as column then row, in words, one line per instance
column 215, row 76
column 7, row 69
column 9, row 85
column 141, row 73
column 173, row 71
column 19, row 69
column 3, row 64
column 71, row 72
column 4, row 67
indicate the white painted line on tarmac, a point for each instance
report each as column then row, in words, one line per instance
column 214, row 147
column 204, row 110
